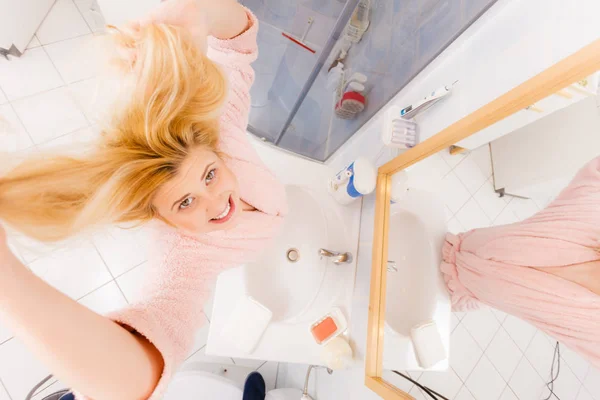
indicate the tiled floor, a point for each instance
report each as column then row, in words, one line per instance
column 495, row 356
column 44, row 100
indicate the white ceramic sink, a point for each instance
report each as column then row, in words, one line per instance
column 415, row 287
column 289, row 288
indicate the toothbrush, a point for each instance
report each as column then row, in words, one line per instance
column 435, row 96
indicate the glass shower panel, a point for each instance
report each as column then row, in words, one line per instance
column 403, row 37
column 283, row 66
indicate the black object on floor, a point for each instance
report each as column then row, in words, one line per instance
column 255, row 387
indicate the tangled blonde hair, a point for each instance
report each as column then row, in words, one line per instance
column 172, row 104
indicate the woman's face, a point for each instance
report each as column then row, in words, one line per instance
column 203, row 197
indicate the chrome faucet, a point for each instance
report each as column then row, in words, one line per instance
column 337, row 258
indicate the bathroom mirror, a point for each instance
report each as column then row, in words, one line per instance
column 539, row 134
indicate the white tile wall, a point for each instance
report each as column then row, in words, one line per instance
column 46, row 101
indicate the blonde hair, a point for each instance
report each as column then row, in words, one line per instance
column 173, row 98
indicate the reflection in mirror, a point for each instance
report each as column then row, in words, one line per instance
column 520, row 267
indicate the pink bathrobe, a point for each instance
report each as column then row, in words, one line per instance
column 182, row 275
column 492, row 266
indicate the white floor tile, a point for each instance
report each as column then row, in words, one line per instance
column 452, row 160
column 398, row 381
column 454, row 192
column 470, row 174
column 3, row 98
column 500, row 315
column 592, row 382
column 30, row 250
column 269, row 372
column 460, row 315
column 489, row 200
column 33, row 43
column 540, row 353
column 578, row 364
column 73, row 58
column 526, row 383
column 71, row 143
column 584, row 394
column 201, row 336
column 504, row 354
column 91, row 13
column 520, row 331
column 522, row 208
column 3, row 393
column 508, row 394
column 482, row 325
column 74, row 271
column 454, row 226
column 454, row 321
column 50, row 114
column 22, row 372
column 13, row 136
column 485, row 382
column 464, row 352
column 201, row 356
column 123, row 249
column 418, row 395
column 464, row 394
column 104, row 300
column 446, row 382
column 471, row 216
column 506, row 217
column 29, row 74
column 64, row 21
column 131, row 282
column 85, row 93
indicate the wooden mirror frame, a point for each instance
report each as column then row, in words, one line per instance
column 578, row 66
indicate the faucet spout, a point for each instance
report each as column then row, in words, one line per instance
column 336, row 257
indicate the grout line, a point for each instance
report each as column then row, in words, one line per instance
column 5, row 389
column 64, row 40
column 98, row 288
column 22, row 124
column 82, row 16
column 130, row 269
column 114, row 279
column 277, row 375
column 260, row 366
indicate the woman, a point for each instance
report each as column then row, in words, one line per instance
column 545, row 269
column 176, row 151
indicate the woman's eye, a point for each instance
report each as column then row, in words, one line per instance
column 186, row 203
column 210, row 176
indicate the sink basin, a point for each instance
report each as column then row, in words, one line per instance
column 415, row 288
column 288, row 277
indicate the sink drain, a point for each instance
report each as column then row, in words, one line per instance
column 293, row 255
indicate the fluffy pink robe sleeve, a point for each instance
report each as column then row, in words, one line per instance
column 185, row 268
